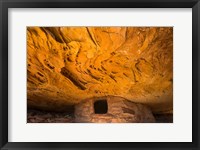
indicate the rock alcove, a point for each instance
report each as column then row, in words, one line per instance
column 112, row 109
column 101, row 71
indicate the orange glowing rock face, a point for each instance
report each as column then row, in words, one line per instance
column 66, row 65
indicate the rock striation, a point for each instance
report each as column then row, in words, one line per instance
column 67, row 65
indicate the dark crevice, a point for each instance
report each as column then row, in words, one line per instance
column 75, row 81
column 91, row 37
column 94, row 77
column 40, row 74
column 54, row 33
column 112, row 77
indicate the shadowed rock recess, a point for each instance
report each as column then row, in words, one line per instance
column 68, row 66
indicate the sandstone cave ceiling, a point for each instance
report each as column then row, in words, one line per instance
column 66, row 65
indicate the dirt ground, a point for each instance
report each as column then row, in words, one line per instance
column 38, row 116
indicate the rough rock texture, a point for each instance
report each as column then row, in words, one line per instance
column 112, row 109
column 36, row 116
column 66, row 65
column 40, row 116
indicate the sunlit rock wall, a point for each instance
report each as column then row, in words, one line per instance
column 66, row 65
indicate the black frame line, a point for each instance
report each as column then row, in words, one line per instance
column 5, row 4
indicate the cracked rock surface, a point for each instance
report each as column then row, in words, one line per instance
column 66, row 65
